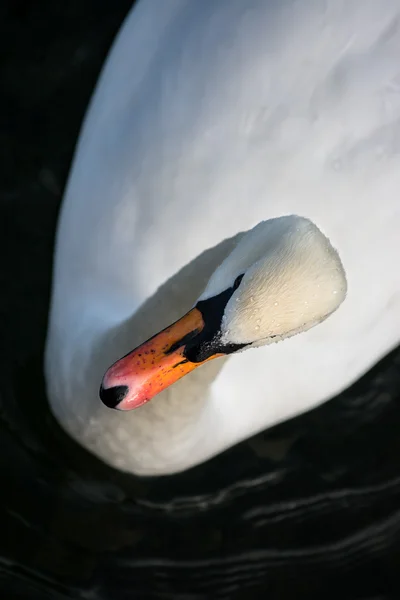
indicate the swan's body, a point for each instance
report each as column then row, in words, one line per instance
column 210, row 117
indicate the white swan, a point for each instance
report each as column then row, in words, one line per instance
column 210, row 117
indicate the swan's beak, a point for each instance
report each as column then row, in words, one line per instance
column 153, row 366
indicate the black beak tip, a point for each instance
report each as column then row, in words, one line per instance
column 112, row 396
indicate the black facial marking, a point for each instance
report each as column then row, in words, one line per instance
column 208, row 342
column 238, row 281
column 183, row 341
column 185, row 360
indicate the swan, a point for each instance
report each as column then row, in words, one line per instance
column 212, row 126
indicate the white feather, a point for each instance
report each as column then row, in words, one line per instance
column 210, row 117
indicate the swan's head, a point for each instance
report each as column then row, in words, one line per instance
column 282, row 278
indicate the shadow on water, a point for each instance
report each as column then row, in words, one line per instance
column 309, row 509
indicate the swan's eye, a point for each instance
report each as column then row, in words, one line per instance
column 237, row 281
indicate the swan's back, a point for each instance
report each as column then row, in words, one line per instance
column 211, row 116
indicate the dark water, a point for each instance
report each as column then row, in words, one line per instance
column 309, row 510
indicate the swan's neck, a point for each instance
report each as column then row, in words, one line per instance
column 167, row 434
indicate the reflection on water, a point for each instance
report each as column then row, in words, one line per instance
column 307, row 510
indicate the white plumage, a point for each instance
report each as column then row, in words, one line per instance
column 210, row 117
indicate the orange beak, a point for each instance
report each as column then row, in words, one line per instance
column 155, row 365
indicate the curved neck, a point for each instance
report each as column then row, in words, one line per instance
column 169, row 433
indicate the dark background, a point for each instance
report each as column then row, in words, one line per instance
column 309, row 509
